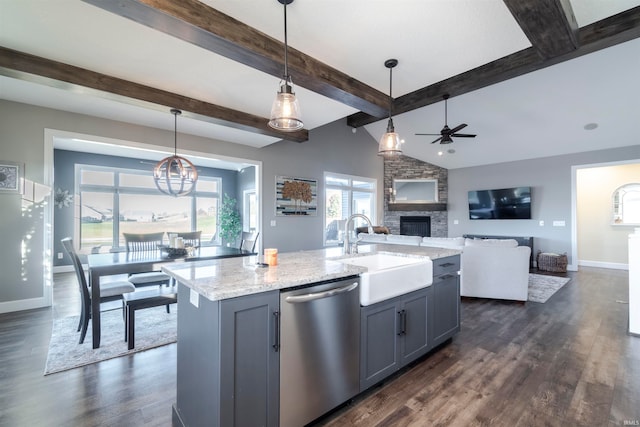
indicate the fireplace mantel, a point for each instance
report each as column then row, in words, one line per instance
column 428, row 207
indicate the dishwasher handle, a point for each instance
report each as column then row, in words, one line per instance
column 294, row 299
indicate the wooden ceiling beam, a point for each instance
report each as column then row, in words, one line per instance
column 199, row 24
column 550, row 25
column 603, row 34
column 63, row 76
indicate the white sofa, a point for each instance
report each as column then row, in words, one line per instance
column 394, row 239
column 490, row 268
column 443, row 242
column 495, row 268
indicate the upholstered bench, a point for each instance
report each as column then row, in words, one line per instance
column 144, row 299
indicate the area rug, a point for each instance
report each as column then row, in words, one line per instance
column 542, row 287
column 153, row 328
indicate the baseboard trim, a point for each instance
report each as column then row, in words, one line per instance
column 63, row 269
column 23, row 304
column 600, row 264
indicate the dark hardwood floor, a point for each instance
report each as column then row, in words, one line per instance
column 566, row 362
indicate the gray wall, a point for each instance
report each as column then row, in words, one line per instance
column 551, row 196
column 332, row 148
column 64, row 177
column 21, row 275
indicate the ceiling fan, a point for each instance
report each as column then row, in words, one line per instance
column 446, row 133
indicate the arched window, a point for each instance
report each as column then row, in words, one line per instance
column 626, row 205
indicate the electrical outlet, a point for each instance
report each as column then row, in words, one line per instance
column 59, row 255
column 559, row 223
column 455, row 222
column 273, row 222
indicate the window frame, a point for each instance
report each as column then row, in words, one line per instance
column 350, row 188
column 617, row 204
column 116, row 189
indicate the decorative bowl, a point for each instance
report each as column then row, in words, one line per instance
column 173, row 252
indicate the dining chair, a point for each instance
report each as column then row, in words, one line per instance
column 249, row 240
column 109, row 291
column 139, row 242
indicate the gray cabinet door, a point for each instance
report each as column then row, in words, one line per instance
column 393, row 333
column 446, row 301
column 249, row 359
column 414, row 314
column 379, row 329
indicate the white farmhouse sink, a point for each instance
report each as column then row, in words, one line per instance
column 388, row 276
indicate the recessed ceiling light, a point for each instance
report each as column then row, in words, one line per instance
column 440, row 153
column 590, row 126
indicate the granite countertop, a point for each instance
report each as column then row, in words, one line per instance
column 232, row 277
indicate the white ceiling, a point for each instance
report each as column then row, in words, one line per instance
column 536, row 115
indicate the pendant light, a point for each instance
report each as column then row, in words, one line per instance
column 390, row 142
column 285, row 111
column 175, row 175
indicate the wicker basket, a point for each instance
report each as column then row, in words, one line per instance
column 555, row 263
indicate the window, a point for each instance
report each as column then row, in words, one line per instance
column 250, row 214
column 626, row 205
column 115, row 201
column 346, row 195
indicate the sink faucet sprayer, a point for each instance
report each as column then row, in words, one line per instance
column 347, row 245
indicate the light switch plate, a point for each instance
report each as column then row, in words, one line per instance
column 559, row 223
column 273, row 222
column 541, row 223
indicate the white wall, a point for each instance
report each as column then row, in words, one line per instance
column 600, row 243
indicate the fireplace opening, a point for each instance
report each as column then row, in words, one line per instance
column 415, row 226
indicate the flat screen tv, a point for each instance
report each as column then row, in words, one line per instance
column 504, row 203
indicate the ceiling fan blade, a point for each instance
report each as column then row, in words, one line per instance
column 428, row 134
column 436, row 140
column 457, row 128
column 463, row 135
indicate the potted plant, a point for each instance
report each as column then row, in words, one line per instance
column 230, row 224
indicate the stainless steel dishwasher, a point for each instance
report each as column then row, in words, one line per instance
column 320, row 349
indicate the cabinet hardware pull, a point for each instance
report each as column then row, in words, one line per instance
column 319, row 295
column 447, row 264
column 446, row 277
column 402, row 322
column 276, row 317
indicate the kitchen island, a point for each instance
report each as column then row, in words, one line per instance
column 229, row 329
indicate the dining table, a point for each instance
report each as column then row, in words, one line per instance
column 109, row 264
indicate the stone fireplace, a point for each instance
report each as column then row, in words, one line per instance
column 415, row 225
column 404, row 167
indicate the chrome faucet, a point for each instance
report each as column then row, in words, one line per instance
column 348, row 249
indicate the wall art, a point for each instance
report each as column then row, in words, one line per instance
column 11, row 175
column 296, row 196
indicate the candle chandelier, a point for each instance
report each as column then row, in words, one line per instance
column 285, row 111
column 175, row 175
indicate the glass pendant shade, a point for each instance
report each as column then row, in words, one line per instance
column 175, row 175
column 285, row 112
column 389, row 145
column 390, row 142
